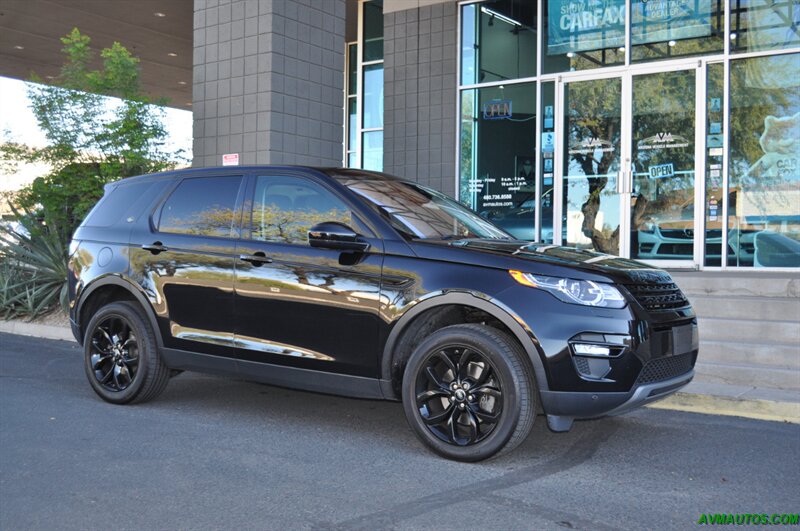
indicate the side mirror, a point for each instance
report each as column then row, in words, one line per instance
column 335, row 235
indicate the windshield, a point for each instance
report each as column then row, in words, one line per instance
column 421, row 213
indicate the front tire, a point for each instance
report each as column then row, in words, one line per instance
column 121, row 356
column 469, row 393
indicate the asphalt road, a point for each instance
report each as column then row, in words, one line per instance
column 217, row 453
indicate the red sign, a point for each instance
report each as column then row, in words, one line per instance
column 230, row 159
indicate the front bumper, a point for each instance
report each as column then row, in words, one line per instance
column 563, row 407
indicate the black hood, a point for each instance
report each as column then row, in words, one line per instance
column 620, row 269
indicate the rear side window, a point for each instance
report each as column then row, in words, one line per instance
column 202, row 206
column 115, row 204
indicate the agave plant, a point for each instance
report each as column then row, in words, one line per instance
column 33, row 270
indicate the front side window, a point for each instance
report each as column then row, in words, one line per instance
column 201, row 206
column 285, row 208
column 420, row 213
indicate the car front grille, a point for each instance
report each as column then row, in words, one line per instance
column 658, row 297
column 661, row 369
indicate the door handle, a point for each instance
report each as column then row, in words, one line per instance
column 256, row 258
column 155, row 247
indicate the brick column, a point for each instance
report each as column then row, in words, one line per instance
column 268, row 81
column 420, row 129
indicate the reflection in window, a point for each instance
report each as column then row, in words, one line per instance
column 591, row 212
column 284, row 208
column 373, row 96
column 498, row 41
column 665, row 29
column 663, row 155
column 758, row 25
column 498, row 156
column 201, row 206
column 764, row 164
column 372, row 145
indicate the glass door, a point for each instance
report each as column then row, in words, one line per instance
column 665, row 224
column 627, row 158
column 589, row 159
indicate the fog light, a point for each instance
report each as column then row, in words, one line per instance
column 591, row 350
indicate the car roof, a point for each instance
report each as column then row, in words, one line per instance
column 237, row 170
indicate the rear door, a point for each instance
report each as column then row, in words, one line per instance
column 185, row 261
column 297, row 305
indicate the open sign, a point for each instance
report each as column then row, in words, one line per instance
column 662, row 170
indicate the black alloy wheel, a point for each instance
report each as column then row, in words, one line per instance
column 121, row 355
column 469, row 392
column 458, row 396
column 115, row 354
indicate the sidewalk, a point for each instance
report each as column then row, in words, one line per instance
column 700, row 396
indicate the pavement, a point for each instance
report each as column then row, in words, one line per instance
column 700, row 396
column 215, row 453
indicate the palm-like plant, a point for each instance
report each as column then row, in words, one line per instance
column 33, row 269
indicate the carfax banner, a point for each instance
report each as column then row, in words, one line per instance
column 585, row 25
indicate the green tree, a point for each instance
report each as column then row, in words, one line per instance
column 90, row 140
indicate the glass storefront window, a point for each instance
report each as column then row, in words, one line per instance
column 593, row 132
column 764, row 161
column 372, row 146
column 715, row 105
column 498, row 156
column 373, row 31
column 667, row 29
column 580, row 35
column 663, row 156
column 760, row 25
column 547, row 161
column 498, row 41
column 373, row 96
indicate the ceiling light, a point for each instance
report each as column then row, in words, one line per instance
column 733, row 36
column 159, row 14
column 494, row 14
column 18, row 47
column 172, row 54
column 672, row 43
column 570, row 54
column 181, row 82
column 621, row 48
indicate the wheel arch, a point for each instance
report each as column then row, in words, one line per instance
column 434, row 306
column 101, row 291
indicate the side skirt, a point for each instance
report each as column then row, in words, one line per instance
column 292, row 377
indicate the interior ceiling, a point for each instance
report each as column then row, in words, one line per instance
column 30, row 33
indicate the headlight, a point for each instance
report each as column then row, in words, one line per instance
column 583, row 292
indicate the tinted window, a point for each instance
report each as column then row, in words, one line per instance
column 202, row 206
column 114, row 204
column 284, row 208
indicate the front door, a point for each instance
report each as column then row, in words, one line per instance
column 298, row 305
column 628, row 153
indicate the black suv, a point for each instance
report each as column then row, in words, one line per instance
column 361, row 284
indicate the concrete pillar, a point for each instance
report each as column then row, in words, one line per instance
column 268, row 81
column 420, row 128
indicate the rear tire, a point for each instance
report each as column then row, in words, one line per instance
column 469, row 393
column 121, row 355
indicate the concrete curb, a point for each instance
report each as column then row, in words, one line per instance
column 23, row 328
column 721, row 400
column 737, row 407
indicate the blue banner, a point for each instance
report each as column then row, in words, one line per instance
column 586, row 25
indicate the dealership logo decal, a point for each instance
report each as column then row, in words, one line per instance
column 663, row 140
column 590, row 145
